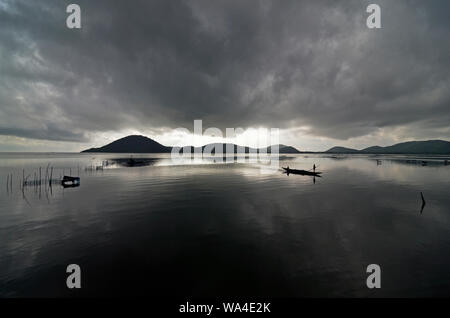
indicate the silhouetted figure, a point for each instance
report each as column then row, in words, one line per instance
column 314, row 167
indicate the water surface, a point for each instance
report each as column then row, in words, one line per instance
column 213, row 229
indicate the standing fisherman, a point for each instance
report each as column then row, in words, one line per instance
column 314, row 168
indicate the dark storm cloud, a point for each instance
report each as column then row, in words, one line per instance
column 143, row 64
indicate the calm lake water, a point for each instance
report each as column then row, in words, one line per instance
column 212, row 229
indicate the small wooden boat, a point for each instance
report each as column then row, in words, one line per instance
column 68, row 181
column 302, row 172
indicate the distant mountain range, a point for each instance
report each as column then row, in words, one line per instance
column 142, row 144
column 439, row 147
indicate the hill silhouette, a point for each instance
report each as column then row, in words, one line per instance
column 438, row 147
column 341, row 150
column 142, row 144
column 132, row 144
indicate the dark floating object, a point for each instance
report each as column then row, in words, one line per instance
column 70, row 182
column 131, row 162
column 302, row 172
column 423, row 202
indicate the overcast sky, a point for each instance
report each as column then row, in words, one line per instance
column 310, row 68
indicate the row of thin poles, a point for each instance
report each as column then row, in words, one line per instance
column 44, row 177
column 37, row 178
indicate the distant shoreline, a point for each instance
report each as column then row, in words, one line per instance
column 148, row 153
column 143, row 144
